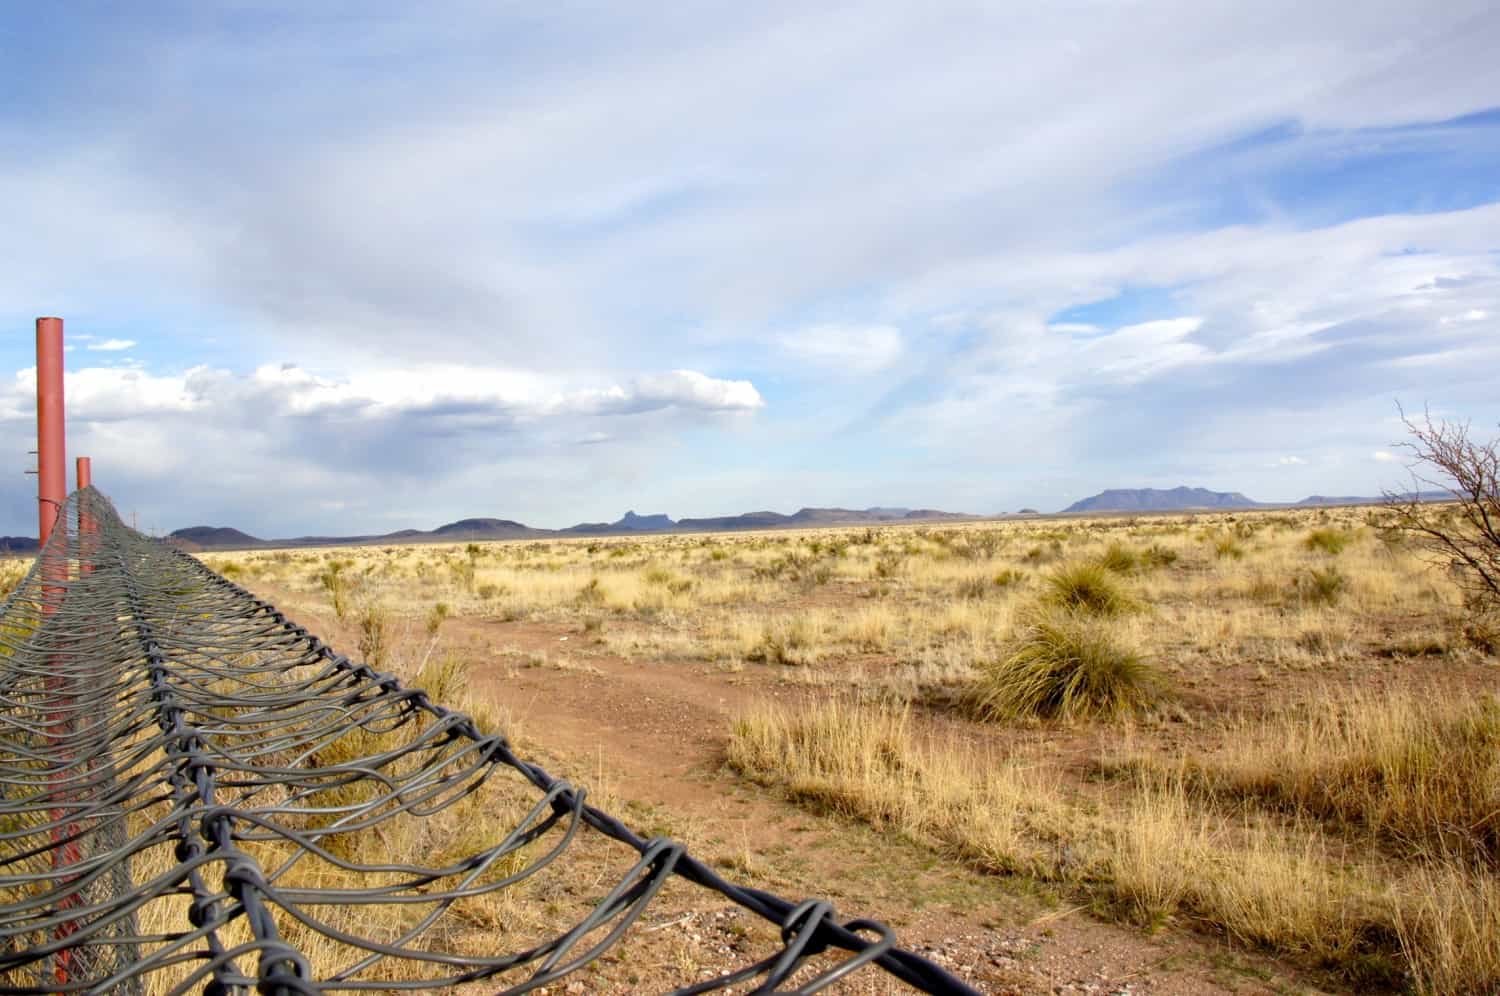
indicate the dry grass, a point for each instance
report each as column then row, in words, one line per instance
column 865, row 761
column 1089, row 587
column 1156, row 856
column 1449, row 926
column 1351, row 829
column 1418, row 768
column 1064, row 664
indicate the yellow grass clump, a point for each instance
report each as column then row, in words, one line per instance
column 1066, row 664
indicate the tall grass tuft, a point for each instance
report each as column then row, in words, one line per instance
column 1120, row 559
column 374, row 634
column 1227, row 548
column 1449, row 925
column 336, row 584
column 1157, row 555
column 1086, row 587
column 1419, row 770
column 1064, row 664
column 1321, row 587
column 1328, row 540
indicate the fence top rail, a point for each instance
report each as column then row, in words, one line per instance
column 198, row 793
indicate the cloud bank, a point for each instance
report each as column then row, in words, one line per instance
column 558, row 264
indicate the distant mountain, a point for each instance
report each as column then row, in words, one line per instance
column 1186, row 499
column 932, row 513
column 1346, row 500
column 628, row 523
column 214, row 538
column 18, row 546
column 482, row 529
column 644, row 523
column 816, row 517
column 749, row 520
column 1158, row 500
column 224, row 538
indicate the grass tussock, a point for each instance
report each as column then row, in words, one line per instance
column 1120, row 559
column 1066, row 665
column 1420, row 770
column 1449, row 927
column 1087, row 587
column 1158, row 859
column 1321, row 587
column 866, row 762
column 1327, row 540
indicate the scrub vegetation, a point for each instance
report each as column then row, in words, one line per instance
column 1276, row 727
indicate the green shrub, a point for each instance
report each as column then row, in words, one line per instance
column 440, row 612
column 1064, row 664
column 374, row 638
column 1330, row 541
column 1120, row 559
column 1226, row 548
column 1159, row 556
column 1321, row 587
column 337, row 586
column 1086, row 587
column 591, row 593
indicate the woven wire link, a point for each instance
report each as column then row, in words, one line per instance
column 196, row 794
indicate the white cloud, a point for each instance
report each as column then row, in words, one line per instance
column 365, row 446
column 111, row 345
column 374, row 225
column 1290, row 461
column 1384, row 456
column 111, row 393
column 1136, row 352
column 848, row 349
column 1472, row 315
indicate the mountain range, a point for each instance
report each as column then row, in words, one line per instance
column 1179, row 499
column 466, row 530
column 1184, row 499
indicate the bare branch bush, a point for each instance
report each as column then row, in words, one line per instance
column 1463, row 535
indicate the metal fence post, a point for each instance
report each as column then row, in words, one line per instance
column 52, row 474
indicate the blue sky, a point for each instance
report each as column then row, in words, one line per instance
column 363, row 266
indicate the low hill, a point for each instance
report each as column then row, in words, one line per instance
column 817, row 517
column 1355, row 500
column 1195, row 499
column 628, row 523
column 1159, row 500
column 643, row 523
column 18, row 546
column 213, row 538
column 483, row 529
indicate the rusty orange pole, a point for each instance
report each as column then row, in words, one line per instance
column 51, row 446
column 52, row 491
column 88, row 528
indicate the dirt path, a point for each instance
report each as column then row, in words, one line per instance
column 654, row 732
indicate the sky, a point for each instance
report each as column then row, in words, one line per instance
column 355, row 267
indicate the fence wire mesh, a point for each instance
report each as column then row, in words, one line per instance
column 197, row 794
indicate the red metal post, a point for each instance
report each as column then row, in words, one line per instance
column 52, row 473
column 88, row 527
column 52, row 491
